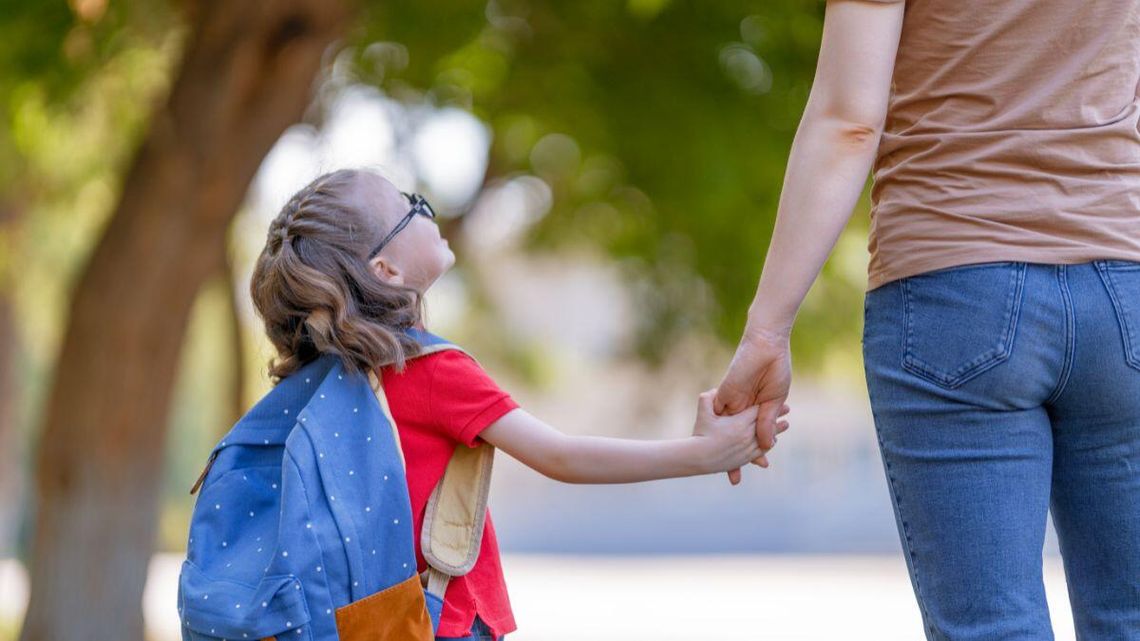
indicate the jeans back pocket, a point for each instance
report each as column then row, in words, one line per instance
column 1122, row 278
column 961, row 321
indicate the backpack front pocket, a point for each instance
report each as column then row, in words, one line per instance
column 398, row 613
column 221, row 609
column 960, row 322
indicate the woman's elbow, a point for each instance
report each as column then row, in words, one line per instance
column 844, row 137
column 850, row 124
column 853, row 133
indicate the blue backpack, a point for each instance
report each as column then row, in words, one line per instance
column 303, row 527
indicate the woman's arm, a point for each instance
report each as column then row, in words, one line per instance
column 718, row 443
column 831, row 156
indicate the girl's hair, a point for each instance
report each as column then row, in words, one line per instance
column 314, row 288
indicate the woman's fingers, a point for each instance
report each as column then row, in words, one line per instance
column 758, row 453
column 762, row 459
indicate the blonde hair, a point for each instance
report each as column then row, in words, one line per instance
column 314, row 289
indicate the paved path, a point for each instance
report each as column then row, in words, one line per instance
column 559, row 598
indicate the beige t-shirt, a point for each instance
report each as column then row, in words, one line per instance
column 1012, row 134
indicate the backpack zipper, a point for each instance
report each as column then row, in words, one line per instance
column 202, row 478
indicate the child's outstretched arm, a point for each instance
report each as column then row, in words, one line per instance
column 718, row 444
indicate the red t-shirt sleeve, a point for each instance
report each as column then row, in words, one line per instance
column 462, row 398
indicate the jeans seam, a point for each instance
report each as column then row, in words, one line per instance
column 1070, row 335
column 905, row 539
column 906, row 326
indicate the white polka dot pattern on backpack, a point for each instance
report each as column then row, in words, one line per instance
column 305, row 498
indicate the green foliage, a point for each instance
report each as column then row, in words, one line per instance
column 662, row 127
column 49, row 51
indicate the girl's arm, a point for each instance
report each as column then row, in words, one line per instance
column 718, row 443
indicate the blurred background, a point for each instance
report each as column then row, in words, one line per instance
column 607, row 173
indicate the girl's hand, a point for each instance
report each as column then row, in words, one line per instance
column 724, row 442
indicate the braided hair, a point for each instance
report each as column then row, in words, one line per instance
column 313, row 286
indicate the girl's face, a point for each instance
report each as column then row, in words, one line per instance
column 416, row 256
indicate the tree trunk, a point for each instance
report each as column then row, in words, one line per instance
column 247, row 74
column 11, row 393
column 237, row 353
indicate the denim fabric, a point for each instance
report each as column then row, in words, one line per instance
column 479, row 632
column 1002, row 391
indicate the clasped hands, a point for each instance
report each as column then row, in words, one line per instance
column 744, row 414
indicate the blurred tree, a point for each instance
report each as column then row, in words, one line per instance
column 66, row 136
column 30, row 50
column 246, row 74
column 10, row 396
column 661, row 126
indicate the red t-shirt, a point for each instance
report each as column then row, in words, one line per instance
column 439, row 401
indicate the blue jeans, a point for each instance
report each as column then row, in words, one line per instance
column 479, row 632
column 1001, row 391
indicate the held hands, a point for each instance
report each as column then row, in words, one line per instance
column 726, row 442
column 760, row 375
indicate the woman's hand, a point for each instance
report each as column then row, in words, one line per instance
column 760, row 375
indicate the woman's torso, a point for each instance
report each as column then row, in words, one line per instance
column 1011, row 135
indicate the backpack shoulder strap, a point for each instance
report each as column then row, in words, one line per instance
column 455, row 516
column 457, row 509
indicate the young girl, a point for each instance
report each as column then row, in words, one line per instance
column 344, row 270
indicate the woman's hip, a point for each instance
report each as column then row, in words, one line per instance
column 1006, row 335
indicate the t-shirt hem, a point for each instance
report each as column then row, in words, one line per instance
column 499, row 626
column 880, row 277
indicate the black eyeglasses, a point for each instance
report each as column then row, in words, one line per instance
column 419, row 206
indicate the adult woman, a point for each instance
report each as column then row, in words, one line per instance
column 1002, row 334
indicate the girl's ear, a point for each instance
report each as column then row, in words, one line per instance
column 387, row 271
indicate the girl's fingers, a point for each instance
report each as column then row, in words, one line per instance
column 781, row 427
column 746, row 417
column 705, row 402
column 784, row 409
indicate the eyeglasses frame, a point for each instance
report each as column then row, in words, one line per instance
column 420, row 206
